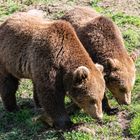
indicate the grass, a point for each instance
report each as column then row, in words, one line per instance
column 135, row 126
column 76, row 135
column 20, row 125
column 131, row 38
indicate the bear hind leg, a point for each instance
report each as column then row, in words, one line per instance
column 8, row 88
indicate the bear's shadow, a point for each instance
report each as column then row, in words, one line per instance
column 21, row 122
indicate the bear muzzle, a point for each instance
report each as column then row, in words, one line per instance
column 126, row 100
column 98, row 116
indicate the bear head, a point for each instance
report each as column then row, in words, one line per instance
column 121, row 78
column 87, row 90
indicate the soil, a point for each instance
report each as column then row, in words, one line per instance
column 129, row 7
column 124, row 119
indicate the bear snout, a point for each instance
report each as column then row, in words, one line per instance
column 63, row 122
column 128, row 99
column 127, row 102
column 124, row 100
column 100, row 116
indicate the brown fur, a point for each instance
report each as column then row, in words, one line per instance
column 104, row 43
column 51, row 55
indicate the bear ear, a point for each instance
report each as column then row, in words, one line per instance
column 99, row 67
column 135, row 54
column 112, row 64
column 80, row 74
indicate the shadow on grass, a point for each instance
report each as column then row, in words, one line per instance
column 20, row 125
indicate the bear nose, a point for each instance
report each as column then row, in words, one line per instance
column 63, row 122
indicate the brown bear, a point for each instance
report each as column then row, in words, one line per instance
column 104, row 43
column 51, row 55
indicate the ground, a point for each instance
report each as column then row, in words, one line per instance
column 123, row 126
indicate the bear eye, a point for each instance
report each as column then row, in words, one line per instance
column 113, row 79
column 92, row 101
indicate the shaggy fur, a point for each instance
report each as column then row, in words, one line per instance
column 104, row 43
column 51, row 55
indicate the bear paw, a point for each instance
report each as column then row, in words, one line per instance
column 112, row 111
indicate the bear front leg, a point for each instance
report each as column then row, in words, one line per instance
column 8, row 88
column 107, row 108
column 51, row 95
column 35, row 97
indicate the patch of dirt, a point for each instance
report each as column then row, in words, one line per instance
column 56, row 9
column 124, row 121
column 129, row 7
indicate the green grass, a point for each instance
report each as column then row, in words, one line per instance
column 77, row 136
column 20, row 125
column 135, row 126
column 122, row 19
column 9, row 7
column 132, row 39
